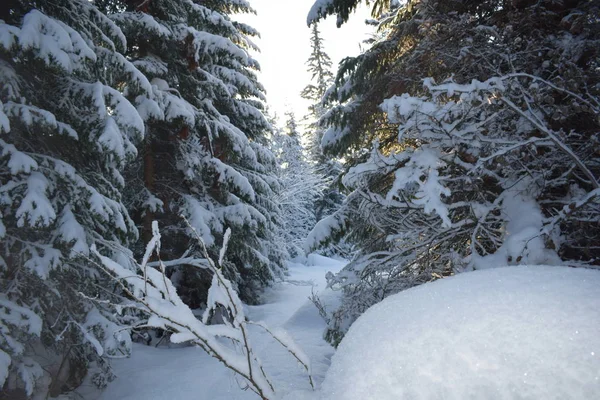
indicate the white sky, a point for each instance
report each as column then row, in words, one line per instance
column 285, row 47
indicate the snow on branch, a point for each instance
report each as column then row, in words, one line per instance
column 15, row 320
column 154, row 294
column 324, row 230
column 318, row 10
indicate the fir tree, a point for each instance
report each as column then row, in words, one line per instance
column 66, row 133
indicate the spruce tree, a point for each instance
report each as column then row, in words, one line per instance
column 470, row 133
column 66, row 133
column 319, row 66
column 204, row 154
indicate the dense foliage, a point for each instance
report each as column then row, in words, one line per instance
column 203, row 155
column 67, row 132
column 470, row 129
column 114, row 113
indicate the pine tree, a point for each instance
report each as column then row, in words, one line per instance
column 66, row 133
column 204, row 152
column 463, row 127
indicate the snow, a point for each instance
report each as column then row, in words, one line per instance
column 208, row 43
column 55, row 41
column 398, row 107
column 142, row 21
column 15, row 318
column 148, row 109
column 5, row 362
column 19, row 162
column 71, row 231
column 111, row 139
column 4, row 122
column 174, row 106
column 119, row 61
column 324, row 229
column 116, row 342
column 317, row 10
column 506, row 333
column 451, row 88
column 522, row 242
column 20, row 317
column 230, row 175
column 426, row 163
column 8, row 35
column 152, row 65
column 201, row 218
column 29, row 372
column 43, row 259
column 35, row 209
column 31, row 115
column 333, row 136
column 224, row 248
column 189, row 373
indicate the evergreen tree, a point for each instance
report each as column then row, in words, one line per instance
column 76, row 100
column 471, row 135
column 319, row 66
column 204, row 152
column 66, row 133
column 301, row 187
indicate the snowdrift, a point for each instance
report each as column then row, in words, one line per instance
column 506, row 333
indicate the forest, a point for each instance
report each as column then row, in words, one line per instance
column 428, row 228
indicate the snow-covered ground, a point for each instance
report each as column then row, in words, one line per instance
column 189, row 373
column 506, row 333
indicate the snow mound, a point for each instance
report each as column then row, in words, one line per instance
column 314, row 259
column 506, row 333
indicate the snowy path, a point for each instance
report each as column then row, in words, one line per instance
column 188, row 373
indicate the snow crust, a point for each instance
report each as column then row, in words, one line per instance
column 505, row 333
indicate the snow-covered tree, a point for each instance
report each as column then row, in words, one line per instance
column 301, row 186
column 204, row 152
column 472, row 133
column 319, row 66
column 66, row 133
